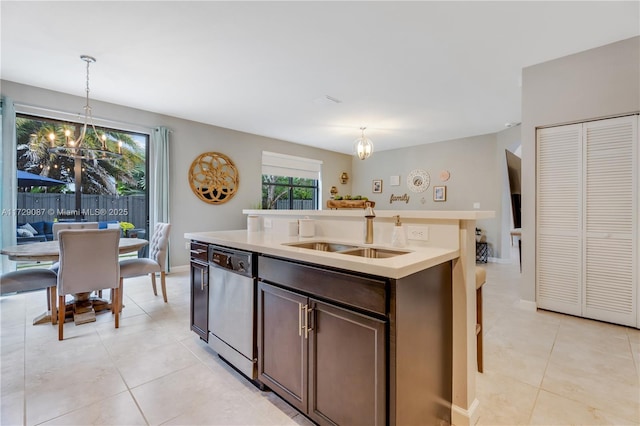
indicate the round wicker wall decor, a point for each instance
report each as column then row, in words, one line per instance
column 213, row 178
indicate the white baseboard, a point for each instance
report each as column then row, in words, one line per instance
column 179, row 268
column 465, row 417
column 528, row 305
column 499, row 260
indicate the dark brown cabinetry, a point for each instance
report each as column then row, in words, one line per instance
column 354, row 349
column 327, row 360
column 282, row 347
column 346, row 367
column 199, row 290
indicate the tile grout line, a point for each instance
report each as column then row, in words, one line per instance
column 115, row 365
column 535, row 401
column 635, row 362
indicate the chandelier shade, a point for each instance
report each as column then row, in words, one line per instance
column 80, row 148
column 363, row 146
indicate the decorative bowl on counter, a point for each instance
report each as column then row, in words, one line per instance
column 349, row 204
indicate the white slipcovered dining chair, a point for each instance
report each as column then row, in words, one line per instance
column 59, row 226
column 88, row 262
column 156, row 261
column 29, row 280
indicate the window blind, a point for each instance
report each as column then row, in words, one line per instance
column 288, row 165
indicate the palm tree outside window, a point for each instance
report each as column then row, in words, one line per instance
column 110, row 179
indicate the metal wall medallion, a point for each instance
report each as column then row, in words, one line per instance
column 213, row 178
column 418, row 180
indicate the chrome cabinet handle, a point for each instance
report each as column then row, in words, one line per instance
column 307, row 327
column 198, row 251
column 202, row 279
column 300, row 307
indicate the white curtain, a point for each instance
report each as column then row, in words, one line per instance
column 8, row 180
column 160, row 164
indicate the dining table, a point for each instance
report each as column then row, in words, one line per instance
column 83, row 307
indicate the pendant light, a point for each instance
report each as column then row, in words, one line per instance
column 363, row 146
column 80, row 147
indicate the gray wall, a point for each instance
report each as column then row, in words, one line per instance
column 596, row 83
column 477, row 168
column 188, row 140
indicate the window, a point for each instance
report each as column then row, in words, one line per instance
column 282, row 192
column 290, row 182
column 113, row 190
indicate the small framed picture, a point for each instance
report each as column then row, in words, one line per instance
column 377, row 185
column 439, row 193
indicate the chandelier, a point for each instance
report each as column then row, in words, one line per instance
column 363, row 146
column 79, row 148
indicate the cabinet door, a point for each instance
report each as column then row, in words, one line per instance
column 611, row 220
column 200, row 299
column 347, row 375
column 559, row 219
column 282, row 346
column 587, row 219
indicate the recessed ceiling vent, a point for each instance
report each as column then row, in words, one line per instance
column 327, row 100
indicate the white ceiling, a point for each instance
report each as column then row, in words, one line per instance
column 411, row 72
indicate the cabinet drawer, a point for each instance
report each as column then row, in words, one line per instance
column 199, row 251
column 353, row 290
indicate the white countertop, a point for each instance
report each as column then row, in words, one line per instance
column 358, row 213
column 418, row 258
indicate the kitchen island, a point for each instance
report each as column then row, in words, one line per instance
column 407, row 304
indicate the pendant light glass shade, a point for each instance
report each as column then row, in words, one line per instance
column 363, row 146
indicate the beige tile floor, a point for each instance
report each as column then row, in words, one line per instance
column 541, row 368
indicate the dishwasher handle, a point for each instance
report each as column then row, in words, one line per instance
column 241, row 273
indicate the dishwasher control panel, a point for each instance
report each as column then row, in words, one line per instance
column 235, row 260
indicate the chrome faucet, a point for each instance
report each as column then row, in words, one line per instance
column 369, row 215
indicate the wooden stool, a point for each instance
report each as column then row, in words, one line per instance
column 481, row 278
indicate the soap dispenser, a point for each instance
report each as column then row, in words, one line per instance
column 398, row 238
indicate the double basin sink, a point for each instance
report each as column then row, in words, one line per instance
column 369, row 252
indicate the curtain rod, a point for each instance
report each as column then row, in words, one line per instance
column 64, row 115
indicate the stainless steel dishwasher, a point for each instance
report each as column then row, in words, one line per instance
column 232, row 292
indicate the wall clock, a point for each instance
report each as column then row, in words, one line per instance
column 213, row 178
column 418, row 180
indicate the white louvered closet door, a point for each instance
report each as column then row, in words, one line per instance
column 588, row 202
column 559, row 219
column 610, row 220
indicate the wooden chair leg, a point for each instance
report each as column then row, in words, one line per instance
column 53, row 297
column 479, row 330
column 49, row 301
column 164, row 285
column 153, row 283
column 116, row 301
column 61, row 314
column 121, row 295
column 113, row 301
